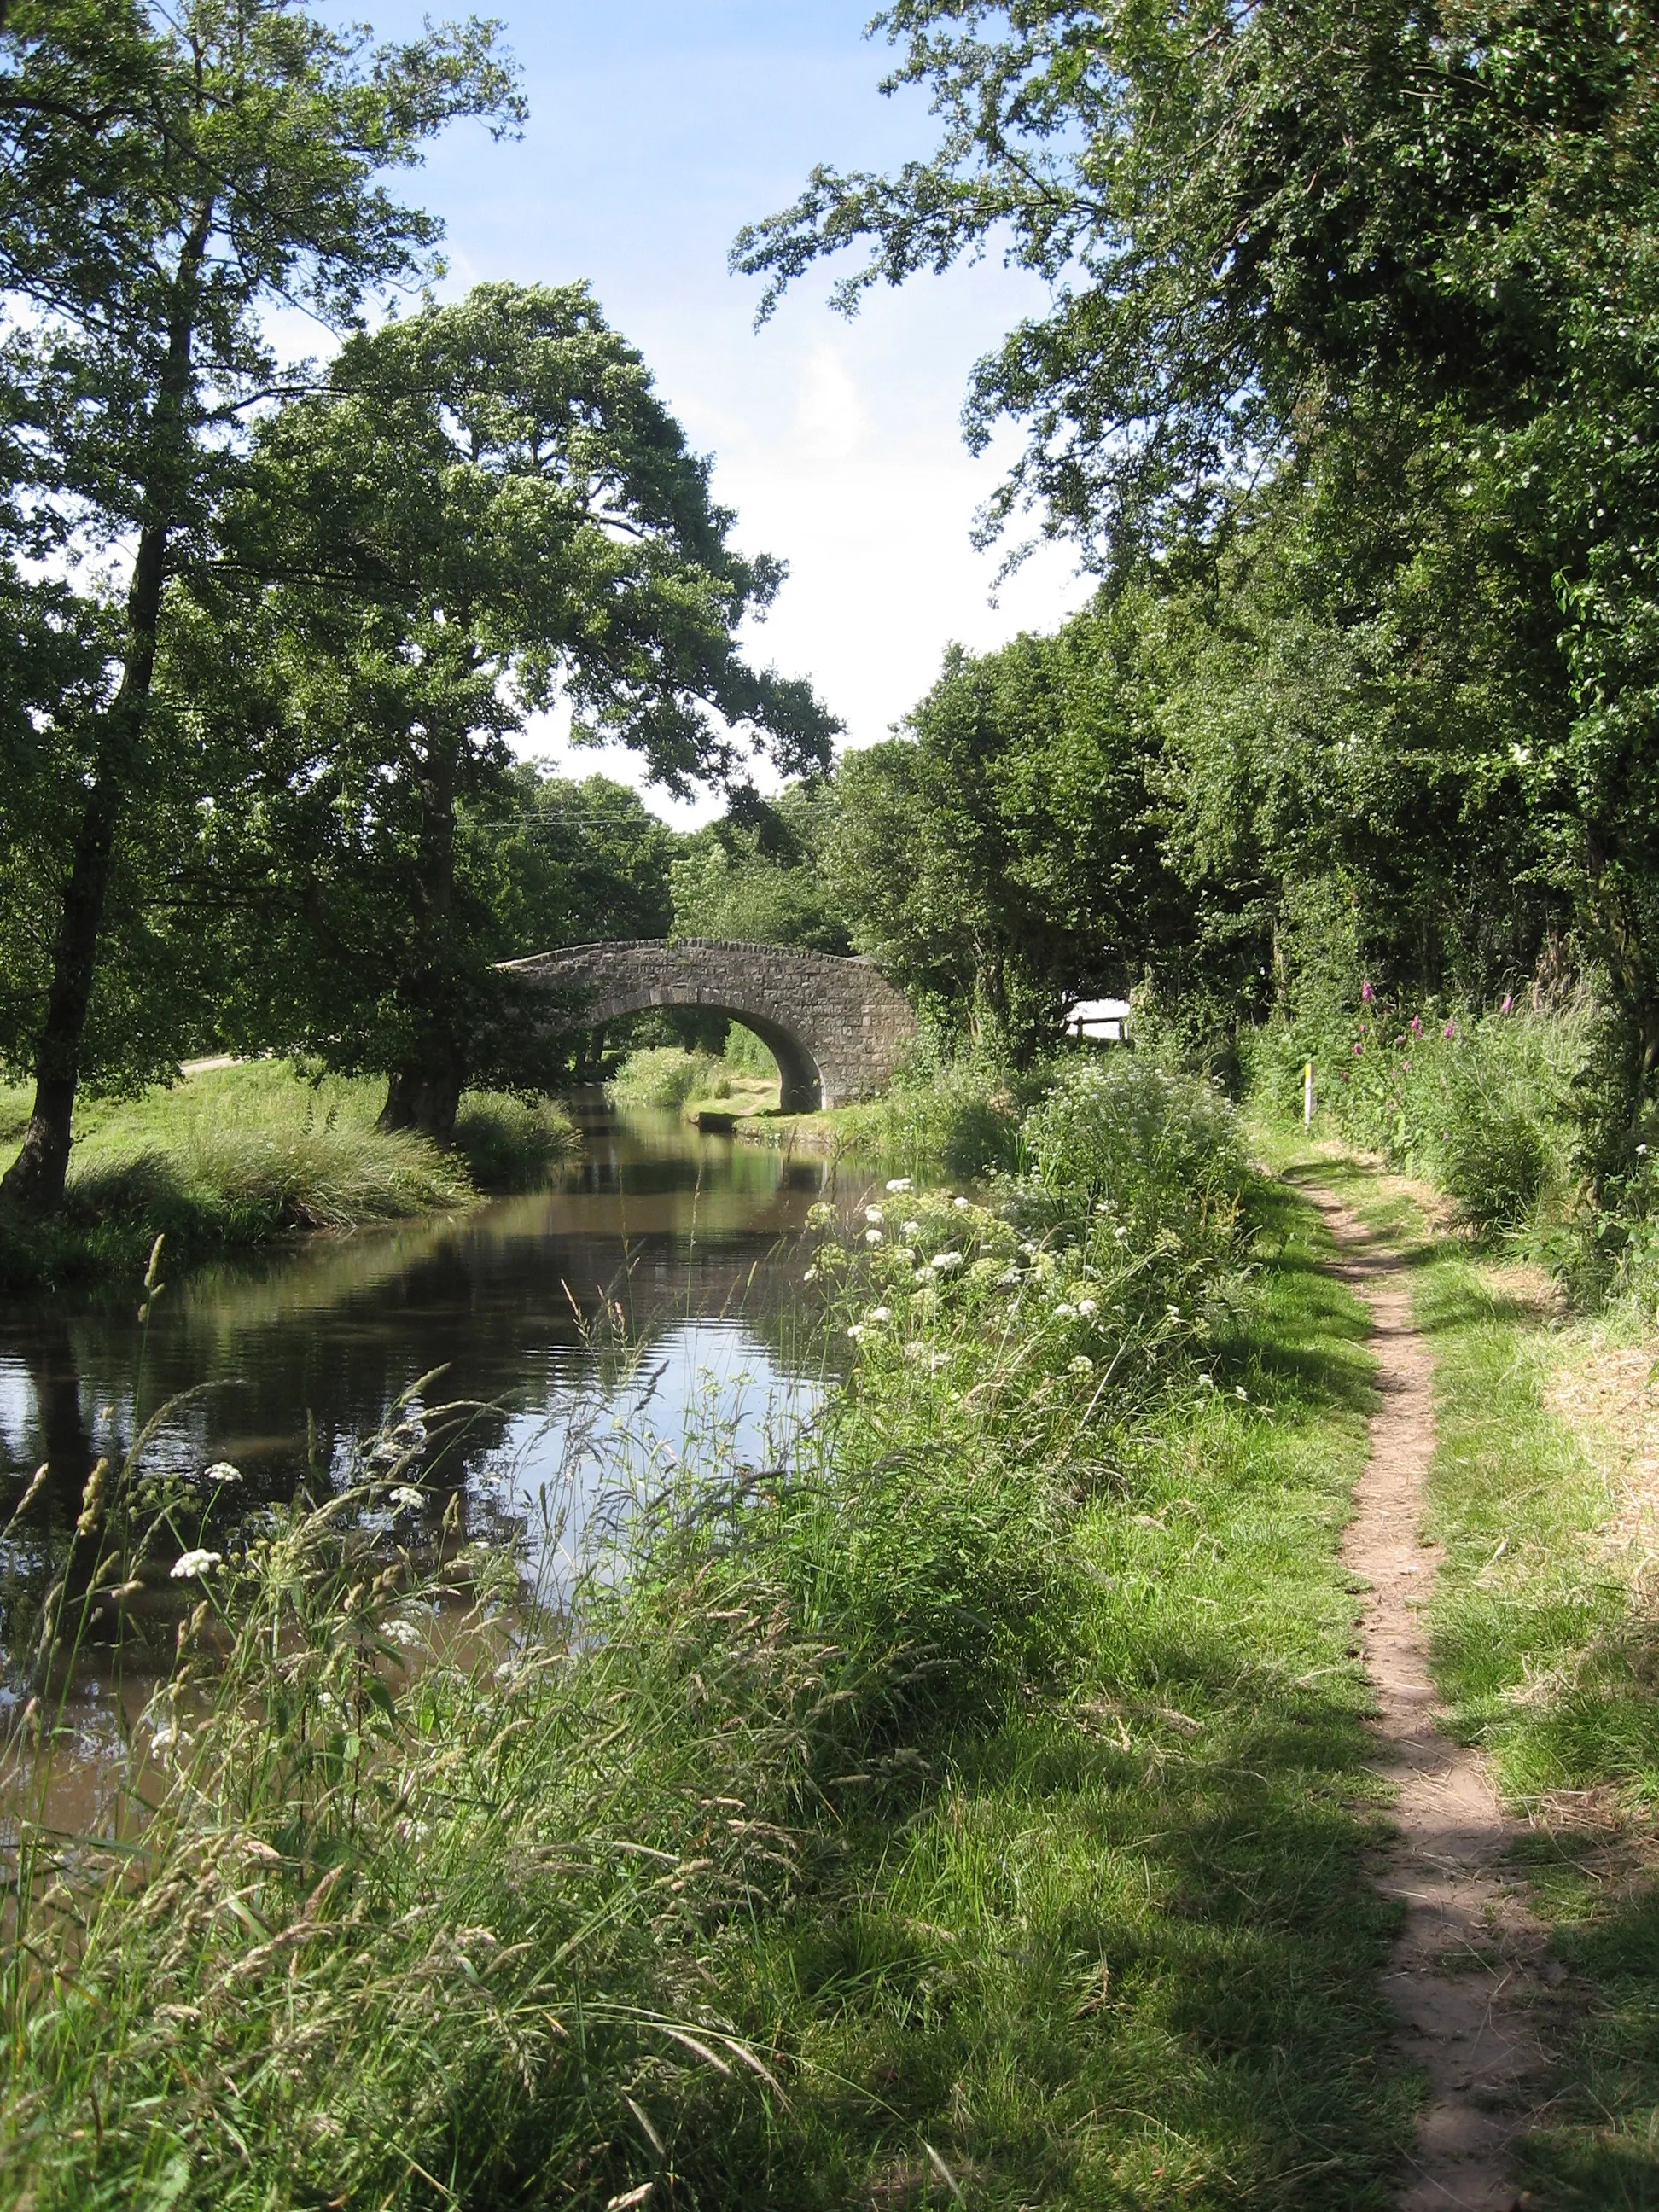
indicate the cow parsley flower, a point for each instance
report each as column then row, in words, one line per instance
column 190, row 1563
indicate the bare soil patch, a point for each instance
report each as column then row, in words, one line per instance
column 1470, row 1967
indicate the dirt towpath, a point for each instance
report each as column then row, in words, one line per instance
column 1469, row 1965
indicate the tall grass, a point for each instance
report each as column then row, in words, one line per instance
column 1482, row 1104
column 956, row 1808
column 665, row 1076
column 954, row 1118
column 230, row 1157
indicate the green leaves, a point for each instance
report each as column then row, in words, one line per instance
column 485, row 512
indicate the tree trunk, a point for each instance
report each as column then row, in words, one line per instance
column 34, row 1181
column 425, row 1099
column 425, row 1092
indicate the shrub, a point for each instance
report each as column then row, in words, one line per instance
column 958, row 1119
column 1156, row 1152
column 1493, row 1158
column 511, row 1144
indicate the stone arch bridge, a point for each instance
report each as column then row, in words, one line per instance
column 835, row 1027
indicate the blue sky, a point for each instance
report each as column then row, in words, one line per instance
column 656, row 130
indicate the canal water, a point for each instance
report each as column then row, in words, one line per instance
column 646, row 1296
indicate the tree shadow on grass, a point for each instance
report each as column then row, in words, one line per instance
column 1599, row 2147
column 1088, row 1975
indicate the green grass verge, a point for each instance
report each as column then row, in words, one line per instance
column 666, row 1076
column 972, row 1812
column 960, row 1125
column 1123, row 1953
column 1546, row 1656
column 230, row 1157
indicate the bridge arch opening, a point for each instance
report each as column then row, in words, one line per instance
column 800, row 1082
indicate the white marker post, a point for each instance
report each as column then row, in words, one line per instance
column 1307, row 1096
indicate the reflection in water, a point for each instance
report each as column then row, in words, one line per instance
column 648, row 1289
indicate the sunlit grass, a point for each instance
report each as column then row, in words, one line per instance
column 229, row 1157
column 665, row 1076
column 1543, row 1645
column 970, row 1802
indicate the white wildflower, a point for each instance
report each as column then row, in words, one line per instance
column 915, row 1350
column 1174, row 1312
column 810, row 1276
column 164, row 1737
column 905, row 1252
column 874, row 1214
column 880, row 1313
column 942, row 1263
column 1065, row 1312
column 911, row 1228
column 856, row 1331
column 1239, row 1391
column 222, row 1471
column 195, row 1563
column 1120, row 1235
column 1009, row 1279
column 1082, row 1364
column 873, row 1236
column 899, row 1182
column 1088, row 1306
column 403, row 1632
column 1206, row 1381
column 406, row 1497
column 960, row 1204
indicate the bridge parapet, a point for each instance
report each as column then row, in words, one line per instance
column 836, row 1026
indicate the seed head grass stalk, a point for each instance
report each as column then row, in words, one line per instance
column 957, row 1804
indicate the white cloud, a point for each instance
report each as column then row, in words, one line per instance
column 830, row 416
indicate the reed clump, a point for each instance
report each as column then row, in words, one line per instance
column 230, row 1157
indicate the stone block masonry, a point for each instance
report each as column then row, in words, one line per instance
column 836, row 1027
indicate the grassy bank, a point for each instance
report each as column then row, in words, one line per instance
column 667, row 1077
column 956, row 1120
column 230, row 1157
column 964, row 1810
column 1543, row 1648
